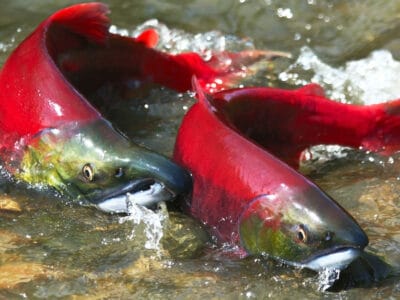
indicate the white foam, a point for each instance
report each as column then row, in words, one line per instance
column 177, row 41
column 369, row 80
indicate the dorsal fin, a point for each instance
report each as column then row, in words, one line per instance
column 148, row 37
column 87, row 19
column 202, row 97
column 312, row 89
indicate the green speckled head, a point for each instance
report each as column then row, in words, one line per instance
column 301, row 227
column 96, row 163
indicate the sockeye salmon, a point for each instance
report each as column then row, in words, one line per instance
column 50, row 135
column 250, row 198
column 286, row 122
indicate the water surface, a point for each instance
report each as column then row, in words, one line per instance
column 52, row 249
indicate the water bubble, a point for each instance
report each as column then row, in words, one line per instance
column 250, row 294
column 284, row 13
column 115, row 30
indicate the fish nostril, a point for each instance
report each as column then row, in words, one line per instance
column 119, row 172
column 329, row 236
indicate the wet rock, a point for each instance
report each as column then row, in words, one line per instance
column 13, row 274
column 143, row 265
column 7, row 204
column 10, row 240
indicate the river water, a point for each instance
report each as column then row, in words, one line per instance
column 52, row 249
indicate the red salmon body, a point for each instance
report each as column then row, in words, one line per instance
column 45, row 81
column 250, row 198
column 229, row 170
column 287, row 122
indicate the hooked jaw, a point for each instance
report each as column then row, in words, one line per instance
column 167, row 182
column 135, row 175
column 147, row 178
column 336, row 258
column 346, row 247
column 301, row 232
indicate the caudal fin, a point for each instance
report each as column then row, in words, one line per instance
column 385, row 137
column 87, row 19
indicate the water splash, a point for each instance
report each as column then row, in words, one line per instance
column 6, row 46
column 326, row 278
column 370, row 80
column 324, row 153
column 153, row 222
column 177, row 41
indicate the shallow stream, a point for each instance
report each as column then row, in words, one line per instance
column 52, row 249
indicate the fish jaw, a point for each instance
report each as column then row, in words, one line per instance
column 93, row 163
column 337, row 259
column 301, row 228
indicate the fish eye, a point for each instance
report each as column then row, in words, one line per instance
column 301, row 233
column 88, row 172
column 119, row 172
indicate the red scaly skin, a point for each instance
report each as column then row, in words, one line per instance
column 287, row 122
column 44, row 81
column 34, row 94
column 230, row 172
column 50, row 135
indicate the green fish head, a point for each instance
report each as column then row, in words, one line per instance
column 304, row 228
column 96, row 163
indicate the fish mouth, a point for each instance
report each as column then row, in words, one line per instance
column 334, row 258
column 146, row 192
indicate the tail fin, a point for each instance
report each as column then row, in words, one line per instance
column 87, row 19
column 385, row 138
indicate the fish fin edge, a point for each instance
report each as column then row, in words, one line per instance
column 87, row 19
column 149, row 38
column 312, row 89
column 202, row 97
